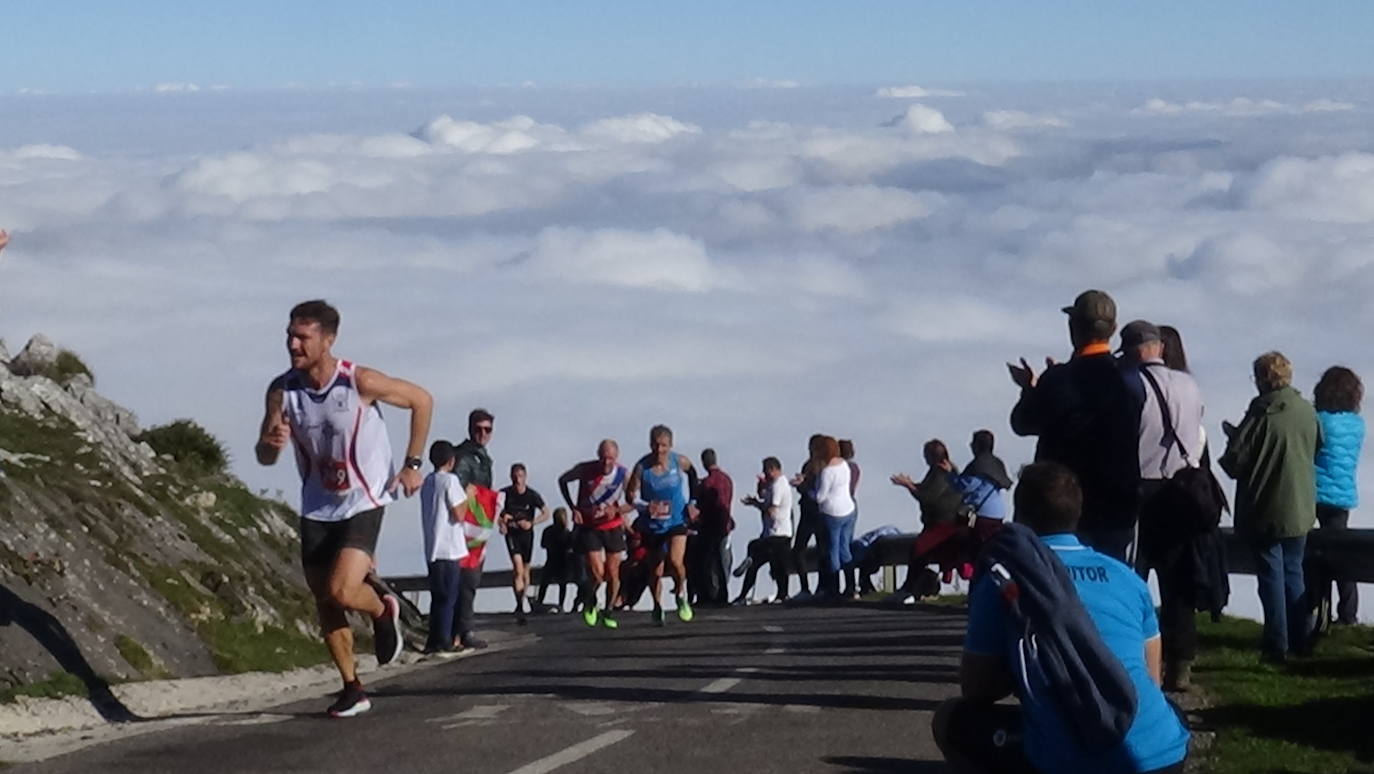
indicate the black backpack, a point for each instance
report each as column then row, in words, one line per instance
column 1194, row 497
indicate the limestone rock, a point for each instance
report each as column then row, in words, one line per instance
column 36, row 357
column 203, row 500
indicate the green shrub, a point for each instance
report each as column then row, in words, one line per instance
column 57, row 685
column 135, row 655
column 67, row 366
column 189, row 444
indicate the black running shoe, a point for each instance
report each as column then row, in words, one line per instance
column 351, row 703
column 386, row 631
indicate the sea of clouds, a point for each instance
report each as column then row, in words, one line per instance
column 748, row 265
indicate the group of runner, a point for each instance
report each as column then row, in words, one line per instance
column 329, row 410
column 658, row 489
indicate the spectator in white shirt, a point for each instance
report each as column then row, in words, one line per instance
column 773, row 546
column 442, row 506
column 838, row 512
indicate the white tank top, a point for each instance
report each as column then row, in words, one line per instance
column 342, row 450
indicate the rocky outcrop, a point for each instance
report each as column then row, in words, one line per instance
column 148, row 568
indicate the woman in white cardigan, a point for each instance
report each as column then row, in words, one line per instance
column 839, row 513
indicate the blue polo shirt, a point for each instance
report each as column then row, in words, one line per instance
column 1119, row 603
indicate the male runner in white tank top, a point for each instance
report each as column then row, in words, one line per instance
column 329, row 409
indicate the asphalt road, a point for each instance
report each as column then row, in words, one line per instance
column 754, row 689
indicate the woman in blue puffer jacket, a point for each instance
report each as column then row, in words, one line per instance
column 1337, row 399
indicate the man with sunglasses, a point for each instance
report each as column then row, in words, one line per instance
column 473, row 467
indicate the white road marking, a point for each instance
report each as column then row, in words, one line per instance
column 805, row 709
column 722, row 685
column 254, row 720
column 773, row 629
column 775, row 651
column 482, row 714
column 574, row 753
column 591, row 708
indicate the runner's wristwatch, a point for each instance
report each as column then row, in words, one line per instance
column 414, row 463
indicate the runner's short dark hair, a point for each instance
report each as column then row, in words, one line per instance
column 318, row 311
column 441, row 453
column 479, row 415
column 1048, row 498
column 846, row 448
column 983, row 441
column 772, row 463
column 658, row 430
column 708, row 458
column 518, row 467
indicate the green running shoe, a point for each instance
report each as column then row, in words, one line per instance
column 609, row 622
column 590, row 616
column 684, row 610
column 659, row 619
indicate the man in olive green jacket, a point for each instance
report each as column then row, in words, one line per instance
column 1271, row 456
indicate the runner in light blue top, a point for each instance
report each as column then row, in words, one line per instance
column 660, row 489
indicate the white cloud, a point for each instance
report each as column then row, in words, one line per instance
column 175, row 88
column 1325, row 105
column 657, row 259
column 513, row 135
column 638, row 128
column 856, row 208
column 799, row 267
column 921, row 119
column 914, row 92
column 1338, row 189
column 1013, row 120
column 770, row 83
column 40, row 151
column 1238, row 107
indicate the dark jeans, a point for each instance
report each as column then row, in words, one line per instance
column 1278, row 567
column 809, row 525
column 708, row 566
column 776, row 551
column 859, row 577
column 469, row 582
column 554, row 572
column 1170, row 555
column 444, row 585
column 1319, row 578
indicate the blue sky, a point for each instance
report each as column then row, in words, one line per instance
column 97, row 45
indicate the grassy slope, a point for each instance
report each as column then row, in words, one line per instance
column 236, row 644
column 1312, row 715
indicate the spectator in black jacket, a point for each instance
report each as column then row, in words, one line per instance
column 473, row 468
column 1087, row 420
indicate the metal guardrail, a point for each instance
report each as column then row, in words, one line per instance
column 1349, row 554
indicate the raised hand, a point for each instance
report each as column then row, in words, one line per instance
column 1022, row 376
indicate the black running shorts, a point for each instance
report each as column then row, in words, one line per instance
column 659, row 542
column 520, row 542
column 608, row 540
column 322, row 541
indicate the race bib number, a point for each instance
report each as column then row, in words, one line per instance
column 660, row 509
column 334, row 475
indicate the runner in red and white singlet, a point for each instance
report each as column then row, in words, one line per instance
column 329, row 410
column 599, row 514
